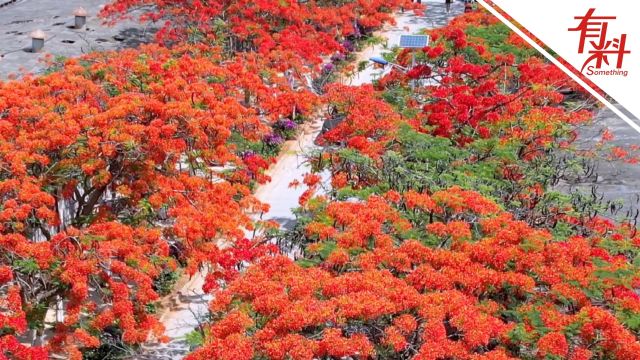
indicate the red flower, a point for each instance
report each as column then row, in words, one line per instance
column 553, row 343
column 419, row 72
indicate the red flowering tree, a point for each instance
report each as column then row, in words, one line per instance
column 412, row 254
column 493, row 288
column 117, row 168
column 285, row 31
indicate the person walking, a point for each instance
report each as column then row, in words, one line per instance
column 468, row 6
column 447, row 4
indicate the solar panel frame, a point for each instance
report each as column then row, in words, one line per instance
column 414, row 41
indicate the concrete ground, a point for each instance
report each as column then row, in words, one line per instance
column 617, row 182
column 18, row 18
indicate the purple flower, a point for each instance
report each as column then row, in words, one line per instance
column 285, row 124
column 348, row 45
column 327, row 68
column 273, row 139
column 247, row 154
column 337, row 57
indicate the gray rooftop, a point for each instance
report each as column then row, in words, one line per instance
column 18, row 18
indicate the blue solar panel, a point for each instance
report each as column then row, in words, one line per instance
column 414, row 41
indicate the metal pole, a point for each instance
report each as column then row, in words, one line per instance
column 413, row 64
